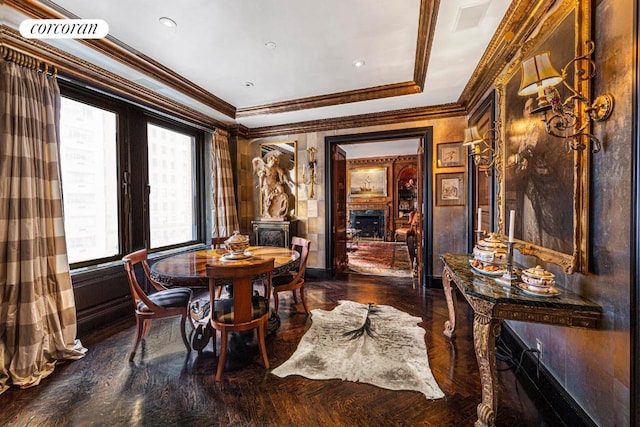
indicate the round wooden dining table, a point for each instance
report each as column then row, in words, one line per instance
column 188, row 269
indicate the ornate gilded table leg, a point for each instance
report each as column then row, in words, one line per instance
column 449, row 294
column 485, row 331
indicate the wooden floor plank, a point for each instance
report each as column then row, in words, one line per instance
column 165, row 386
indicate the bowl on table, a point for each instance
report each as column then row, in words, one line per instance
column 538, row 278
column 491, row 249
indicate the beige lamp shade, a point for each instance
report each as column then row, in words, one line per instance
column 537, row 73
column 471, row 136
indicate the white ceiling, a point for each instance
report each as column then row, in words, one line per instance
column 219, row 45
column 364, row 150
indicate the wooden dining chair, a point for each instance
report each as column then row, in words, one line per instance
column 246, row 310
column 293, row 280
column 217, row 242
column 160, row 304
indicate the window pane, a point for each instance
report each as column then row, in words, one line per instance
column 88, row 158
column 172, row 178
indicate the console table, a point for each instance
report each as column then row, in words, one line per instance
column 492, row 302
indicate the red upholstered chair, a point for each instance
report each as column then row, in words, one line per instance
column 402, row 233
column 293, row 280
column 163, row 303
column 245, row 311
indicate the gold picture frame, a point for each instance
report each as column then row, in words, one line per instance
column 367, row 182
column 450, row 190
column 450, row 154
column 536, row 170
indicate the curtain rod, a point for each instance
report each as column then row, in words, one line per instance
column 27, row 61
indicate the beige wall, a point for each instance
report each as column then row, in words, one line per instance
column 450, row 222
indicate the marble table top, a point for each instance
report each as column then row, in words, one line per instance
column 486, row 288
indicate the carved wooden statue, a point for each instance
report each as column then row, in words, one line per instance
column 274, row 184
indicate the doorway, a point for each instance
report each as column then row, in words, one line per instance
column 338, row 241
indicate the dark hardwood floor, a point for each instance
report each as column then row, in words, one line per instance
column 166, row 386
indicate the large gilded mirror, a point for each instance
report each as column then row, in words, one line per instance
column 287, row 162
column 543, row 181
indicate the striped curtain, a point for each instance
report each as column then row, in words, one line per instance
column 37, row 306
column 224, row 214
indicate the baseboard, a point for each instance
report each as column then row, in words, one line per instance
column 318, row 273
column 547, row 388
column 435, row 282
column 104, row 314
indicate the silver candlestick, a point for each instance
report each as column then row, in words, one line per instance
column 509, row 276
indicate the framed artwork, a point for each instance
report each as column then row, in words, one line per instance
column 450, row 154
column 538, row 172
column 367, row 181
column 450, row 189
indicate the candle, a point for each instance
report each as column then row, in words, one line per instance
column 512, row 224
column 479, row 219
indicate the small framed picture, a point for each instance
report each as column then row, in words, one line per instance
column 450, row 154
column 450, row 189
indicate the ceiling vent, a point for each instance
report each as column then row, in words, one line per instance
column 470, row 16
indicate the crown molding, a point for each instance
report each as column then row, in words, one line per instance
column 128, row 56
column 118, row 51
column 237, row 130
column 385, row 91
column 361, row 120
column 70, row 66
column 426, row 30
column 519, row 22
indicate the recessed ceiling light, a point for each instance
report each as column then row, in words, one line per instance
column 168, row 22
column 270, row 45
column 248, row 84
column 358, row 63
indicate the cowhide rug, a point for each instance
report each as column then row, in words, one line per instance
column 375, row 344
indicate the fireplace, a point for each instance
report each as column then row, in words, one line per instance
column 371, row 223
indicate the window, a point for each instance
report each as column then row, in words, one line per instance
column 172, row 198
column 131, row 178
column 88, row 158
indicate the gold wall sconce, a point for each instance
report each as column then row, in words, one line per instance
column 309, row 173
column 562, row 118
column 480, row 148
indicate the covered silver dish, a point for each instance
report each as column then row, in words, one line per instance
column 237, row 244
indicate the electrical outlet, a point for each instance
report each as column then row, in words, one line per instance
column 539, row 347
